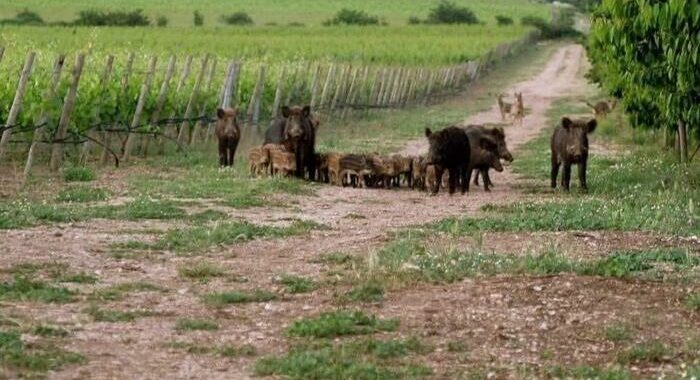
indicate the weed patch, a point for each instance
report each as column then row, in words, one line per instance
column 81, row 194
column 226, row 298
column 341, row 323
column 37, row 359
column 297, row 284
column 104, row 315
column 195, row 324
column 24, row 289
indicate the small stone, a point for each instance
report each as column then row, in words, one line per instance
column 57, row 234
column 537, row 288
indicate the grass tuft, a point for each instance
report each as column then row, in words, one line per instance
column 297, row 284
column 24, row 289
column 201, row 271
column 78, row 174
column 226, row 298
column 341, row 323
column 82, row 194
column 195, row 324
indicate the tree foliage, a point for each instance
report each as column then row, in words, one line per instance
column 647, row 52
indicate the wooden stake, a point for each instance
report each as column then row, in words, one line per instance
column 68, row 104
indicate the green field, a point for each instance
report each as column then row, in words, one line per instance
column 395, row 12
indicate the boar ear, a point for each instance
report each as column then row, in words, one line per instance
column 220, row 113
column 306, row 111
column 566, row 122
column 487, row 143
column 591, row 125
column 285, row 111
column 428, row 132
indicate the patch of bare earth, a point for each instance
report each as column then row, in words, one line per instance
column 505, row 321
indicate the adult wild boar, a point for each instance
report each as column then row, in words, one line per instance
column 570, row 146
column 480, row 163
column 449, row 150
column 229, row 133
column 296, row 130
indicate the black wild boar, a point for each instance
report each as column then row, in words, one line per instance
column 229, row 133
column 495, row 135
column 570, row 146
column 296, row 130
column 449, row 150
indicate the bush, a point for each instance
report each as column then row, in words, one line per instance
column 549, row 30
column 94, row 17
column 162, row 21
column 238, row 18
column 449, row 13
column 504, row 20
column 352, row 17
column 414, row 20
column 78, row 174
column 25, row 17
column 296, row 24
column 198, row 19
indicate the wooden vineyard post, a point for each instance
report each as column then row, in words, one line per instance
column 124, row 85
column 222, row 95
column 184, row 126
column 429, row 88
column 340, row 87
column 254, row 104
column 145, row 88
column 203, row 109
column 49, row 96
column 106, row 73
column 68, row 104
column 374, row 89
column 314, row 86
column 17, row 102
column 160, row 102
column 2, row 53
column 278, row 93
column 382, row 88
column 167, row 129
column 349, row 97
column 326, row 87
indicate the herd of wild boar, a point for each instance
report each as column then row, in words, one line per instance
column 454, row 154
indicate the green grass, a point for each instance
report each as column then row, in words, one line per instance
column 309, row 12
column 78, row 174
column 198, row 238
column 618, row 332
column 32, row 360
column 105, row 315
column 81, row 194
column 587, row 372
column 219, row 299
column 340, row 323
column 50, row 331
column 195, row 324
column 58, row 272
column 22, row 288
column 693, row 302
column 25, row 213
column 297, row 284
column 201, row 271
column 653, row 352
column 359, row 359
column 227, row 351
column 369, row 291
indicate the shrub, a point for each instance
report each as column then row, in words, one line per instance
column 352, row 17
column 162, row 21
column 549, row 30
column 449, row 13
column 296, row 24
column 25, row 17
column 414, row 20
column 198, row 18
column 504, row 20
column 78, row 174
column 93, row 17
column 237, row 18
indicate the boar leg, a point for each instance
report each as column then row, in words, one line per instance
column 464, row 174
column 438, row 180
column 582, row 175
column 555, row 172
column 476, row 177
column 232, row 152
column 454, row 178
column 566, row 178
column 222, row 152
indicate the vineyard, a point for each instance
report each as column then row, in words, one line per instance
column 118, row 105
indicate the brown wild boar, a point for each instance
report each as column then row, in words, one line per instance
column 449, row 149
column 356, row 167
column 382, row 170
column 569, row 146
column 418, row 173
column 602, row 108
column 322, row 167
column 497, row 135
column 504, row 107
column 403, row 166
column 296, row 130
column 282, row 162
column 258, row 160
column 229, row 133
column 519, row 110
